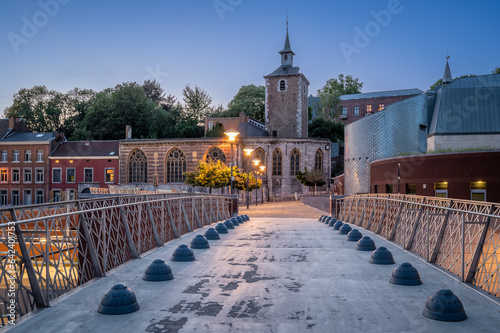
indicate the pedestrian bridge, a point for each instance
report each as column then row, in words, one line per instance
column 274, row 274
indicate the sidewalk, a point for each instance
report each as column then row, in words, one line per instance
column 291, row 209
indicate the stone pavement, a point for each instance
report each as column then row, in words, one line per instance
column 271, row 274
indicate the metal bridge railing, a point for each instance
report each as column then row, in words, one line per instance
column 460, row 236
column 47, row 250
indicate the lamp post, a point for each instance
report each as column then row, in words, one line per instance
column 231, row 135
column 256, row 163
column 248, row 152
column 262, row 169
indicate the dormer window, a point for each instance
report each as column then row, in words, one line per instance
column 282, row 85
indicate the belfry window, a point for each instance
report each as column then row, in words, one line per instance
column 282, row 85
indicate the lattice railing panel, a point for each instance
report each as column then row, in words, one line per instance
column 427, row 232
column 369, row 206
column 487, row 274
column 407, row 222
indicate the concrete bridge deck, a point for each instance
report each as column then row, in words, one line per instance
column 271, row 274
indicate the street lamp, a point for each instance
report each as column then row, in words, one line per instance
column 262, row 169
column 248, row 152
column 231, row 135
column 256, row 163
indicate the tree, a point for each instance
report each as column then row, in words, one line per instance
column 240, row 181
column 439, row 82
column 333, row 89
column 211, row 175
column 496, row 70
column 250, row 100
column 325, row 128
column 216, row 132
column 197, row 103
column 154, row 91
column 311, row 178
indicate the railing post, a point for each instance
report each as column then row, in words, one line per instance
column 440, row 236
column 128, row 235
column 28, row 265
column 186, row 219
column 195, row 212
column 462, row 277
column 89, row 243
column 428, row 228
column 47, row 268
column 153, row 224
column 479, row 249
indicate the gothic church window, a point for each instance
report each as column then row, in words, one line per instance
column 215, row 154
column 277, row 162
column 176, row 166
column 318, row 160
column 260, row 155
column 294, row 162
column 137, row 167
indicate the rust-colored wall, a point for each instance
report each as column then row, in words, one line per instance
column 458, row 169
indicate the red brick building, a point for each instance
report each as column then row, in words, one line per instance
column 77, row 166
column 468, row 175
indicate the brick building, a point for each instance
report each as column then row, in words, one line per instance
column 77, row 166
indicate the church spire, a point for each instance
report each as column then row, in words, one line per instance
column 447, row 73
column 287, row 53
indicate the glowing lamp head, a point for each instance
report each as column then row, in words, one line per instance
column 248, row 151
column 256, row 162
column 231, row 135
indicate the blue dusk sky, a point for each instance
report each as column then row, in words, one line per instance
column 224, row 44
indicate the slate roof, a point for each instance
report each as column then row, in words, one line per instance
column 285, row 70
column 379, row 94
column 90, row 149
column 247, row 130
column 29, row 137
column 4, row 127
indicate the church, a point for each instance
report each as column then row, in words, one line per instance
column 281, row 144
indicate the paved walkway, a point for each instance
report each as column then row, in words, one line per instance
column 270, row 274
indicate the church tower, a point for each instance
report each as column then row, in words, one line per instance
column 286, row 98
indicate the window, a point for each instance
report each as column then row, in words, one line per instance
column 441, row 190
column 70, row 195
column 389, row 188
column 381, row 107
column 4, row 156
column 27, row 198
column 176, row 166
column 356, row 110
column 478, row 191
column 109, row 175
column 15, row 156
column 369, row 109
column 27, row 156
column 88, row 175
column 375, row 188
column 3, row 175
column 344, row 112
column 277, row 162
column 39, row 196
column 137, row 167
column 3, row 198
column 70, row 175
column 39, row 155
column 210, row 125
column 39, row 175
column 305, row 89
column 318, row 160
column 215, row 154
column 56, row 195
column 411, row 189
column 294, row 162
column 28, row 176
column 56, row 175
column 15, row 175
column 15, row 197
column 282, row 85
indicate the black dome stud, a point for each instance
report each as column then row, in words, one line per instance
column 200, row 242
column 332, row 222
column 444, row 306
column 212, row 234
column 240, row 219
column 366, row 244
column 183, row 253
column 246, row 216
column 382, row 256
column 221, row 228
column 338, row 225
column 354, row 235
column 158, row 270
column 345, row 229
column 119, row 299
column 405, row 275
column 234, row 221
column 327, row 220
column 319, row 219
column 229, row 224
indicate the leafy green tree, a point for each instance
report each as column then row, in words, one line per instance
column 250, row 100
column 496, row 70
column 240, row 181
column 311, row 178
column 211, row 175
column 327, row 129
column 333, row 89
column 197, row 104
column 154, row 91
column 216, row 132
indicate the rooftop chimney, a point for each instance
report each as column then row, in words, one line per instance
column 13, row 121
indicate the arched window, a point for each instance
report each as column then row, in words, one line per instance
column 175, row 166
column 318, row 160
column 277, row 162
column 260, row 155
column 294, row 162
column 215, row 154
column 282, row 85
column 137, row 167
